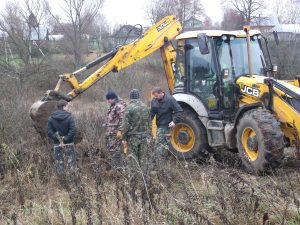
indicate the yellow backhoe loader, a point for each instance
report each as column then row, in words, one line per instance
column 224, row 82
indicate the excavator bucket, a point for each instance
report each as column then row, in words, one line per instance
column 40, row 112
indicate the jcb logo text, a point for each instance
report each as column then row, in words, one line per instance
column 250, row 91
column 162, row 26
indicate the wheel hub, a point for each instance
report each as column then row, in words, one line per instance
column 183, row 137
column 252, row 143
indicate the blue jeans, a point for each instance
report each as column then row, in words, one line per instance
column 65, row 154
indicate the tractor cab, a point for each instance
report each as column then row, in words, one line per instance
column 210, row 62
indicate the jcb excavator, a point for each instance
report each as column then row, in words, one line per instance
column 224, row 82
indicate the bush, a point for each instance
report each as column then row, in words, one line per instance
column 180, row 193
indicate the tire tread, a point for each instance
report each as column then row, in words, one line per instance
column 273, row 140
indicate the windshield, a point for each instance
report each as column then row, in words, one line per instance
column 233, row 56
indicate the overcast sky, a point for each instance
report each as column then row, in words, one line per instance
column 133, row 11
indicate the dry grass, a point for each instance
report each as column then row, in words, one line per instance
column 181, row 193
column 184, row 193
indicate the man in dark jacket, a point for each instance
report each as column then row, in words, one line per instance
column 61, row 129
column 168, row 112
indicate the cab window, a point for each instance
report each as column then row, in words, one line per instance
column 201, row 73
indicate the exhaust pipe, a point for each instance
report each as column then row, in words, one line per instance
column 247, row 30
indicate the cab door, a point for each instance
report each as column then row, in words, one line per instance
column 201, row 74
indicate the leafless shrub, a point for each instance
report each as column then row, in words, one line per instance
column 183, row 192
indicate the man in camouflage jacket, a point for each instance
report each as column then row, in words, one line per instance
column 136, row 130
column 113, row 125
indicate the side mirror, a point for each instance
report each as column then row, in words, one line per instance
column 275, row 34
column 202, row 42
column 225, row 73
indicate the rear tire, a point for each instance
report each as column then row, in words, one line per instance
column 260, row 141
column 194, row 134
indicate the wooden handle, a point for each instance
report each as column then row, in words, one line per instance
column 58, row 84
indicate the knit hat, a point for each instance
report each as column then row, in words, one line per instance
column 134, row 94
column 111, row 95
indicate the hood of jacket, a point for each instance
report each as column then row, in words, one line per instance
column 60, row 115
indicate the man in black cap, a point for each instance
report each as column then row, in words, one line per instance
column 62, row 129
column 113, row 126
column 136, row 129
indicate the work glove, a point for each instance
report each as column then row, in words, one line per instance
column 119, row 135
column 171, row 124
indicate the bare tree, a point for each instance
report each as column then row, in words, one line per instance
column 17, row 24
column 158, row 9
column 100, row 30
column 183, row 9
column 278, row 9
column 286, row 55
column 14, row 28
column 287, row 11
column 249, row 9
column 78, row 16
column 207, row 23
column 35, row 14
column 232, row 20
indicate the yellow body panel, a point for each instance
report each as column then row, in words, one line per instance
column 285, row 113
column 168, row 55
column 293, row 82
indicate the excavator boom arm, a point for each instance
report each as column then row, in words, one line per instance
column 157, row 37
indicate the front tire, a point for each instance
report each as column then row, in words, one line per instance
column 189, row 137
column 260, row 141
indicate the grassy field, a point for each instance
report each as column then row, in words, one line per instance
column 182, row 192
